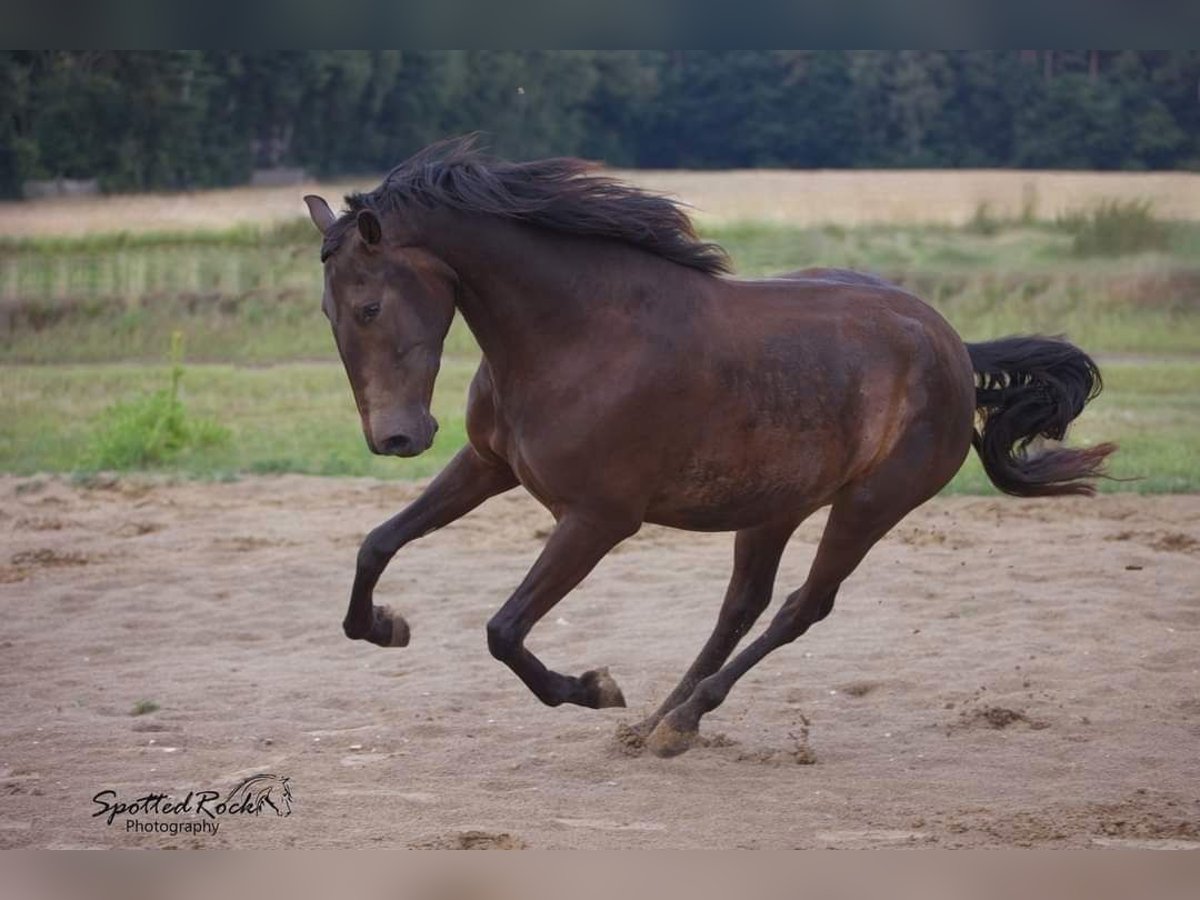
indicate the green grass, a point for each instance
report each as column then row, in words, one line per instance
column 300, row 417
column 262, row 366
column 144, row 707
column 292, row 417
column 246, row 296
column 152, row 429
column 1115, row 228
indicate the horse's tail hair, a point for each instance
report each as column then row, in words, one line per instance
column 1029, row 387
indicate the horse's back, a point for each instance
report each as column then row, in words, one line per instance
column 841, row 276
column 858, row 305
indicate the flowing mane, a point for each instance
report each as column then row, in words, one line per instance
column 563, row 194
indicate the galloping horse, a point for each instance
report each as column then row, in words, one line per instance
column 626, row 379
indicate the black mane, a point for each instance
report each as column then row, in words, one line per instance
column 562, row 194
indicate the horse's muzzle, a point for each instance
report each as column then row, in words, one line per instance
column 406, row 443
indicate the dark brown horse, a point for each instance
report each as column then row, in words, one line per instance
column 625, row 379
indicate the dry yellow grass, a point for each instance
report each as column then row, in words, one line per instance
column 213, row 210
column 948, row 197
column 788, row 197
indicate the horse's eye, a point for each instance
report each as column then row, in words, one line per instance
column 368, row 312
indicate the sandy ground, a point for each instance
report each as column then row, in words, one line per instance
column 998, row 672
column 809, row 197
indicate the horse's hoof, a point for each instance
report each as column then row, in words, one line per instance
column 399, row 628
column 602, row 688
column 666, row 741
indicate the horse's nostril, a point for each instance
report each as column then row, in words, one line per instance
column 398, row 445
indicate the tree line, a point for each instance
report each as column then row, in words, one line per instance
column 139, row 120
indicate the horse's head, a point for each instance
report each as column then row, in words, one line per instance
column 259, row 788
column 390, row 305
column 284, row 807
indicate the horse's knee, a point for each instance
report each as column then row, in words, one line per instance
column 502, row 638
column 372, row 554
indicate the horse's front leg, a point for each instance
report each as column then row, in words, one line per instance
column 467, row 481
column 578, row 542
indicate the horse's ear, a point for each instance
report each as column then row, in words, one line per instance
column 369, row 227
column 320, row 212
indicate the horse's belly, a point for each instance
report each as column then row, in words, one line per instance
column 714, row 494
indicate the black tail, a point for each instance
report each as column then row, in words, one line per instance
column 1028, row 387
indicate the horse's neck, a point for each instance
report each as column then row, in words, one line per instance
column 524, row 291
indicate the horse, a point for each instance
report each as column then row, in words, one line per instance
column 626, row 378
column 259, row 790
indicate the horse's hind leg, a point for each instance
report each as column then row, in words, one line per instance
column 860, row 516
column 756, row 556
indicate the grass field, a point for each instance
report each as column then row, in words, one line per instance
column 299, row 417
column 251, row 296
column 86, row 321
